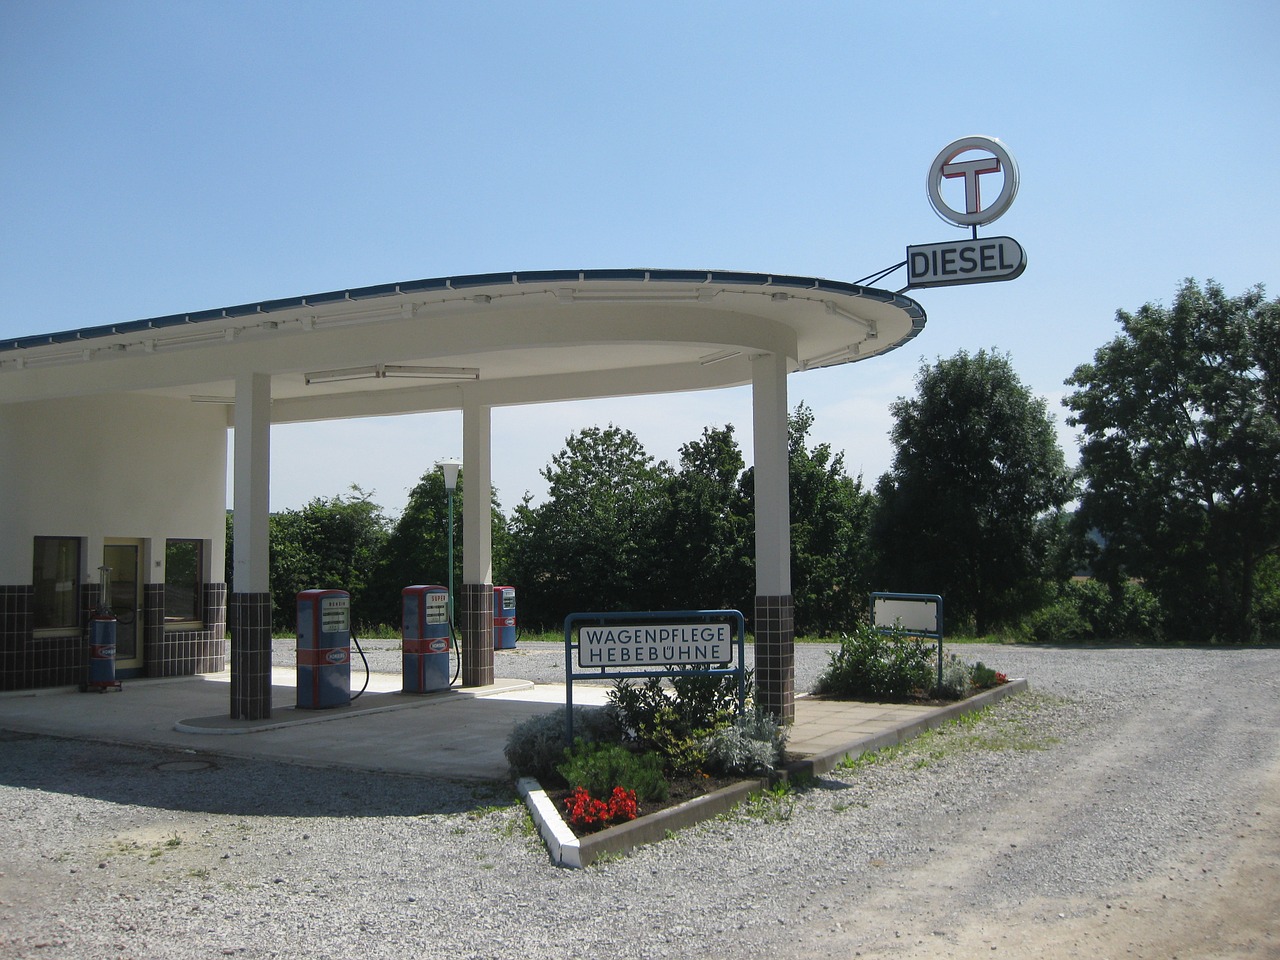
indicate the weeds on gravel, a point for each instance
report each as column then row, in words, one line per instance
column 772, row 805
column 871, row 758
column 998, row 728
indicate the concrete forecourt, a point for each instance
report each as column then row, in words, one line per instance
column 1127, row 804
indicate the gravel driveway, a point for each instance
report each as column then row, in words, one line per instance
column 1128, row 805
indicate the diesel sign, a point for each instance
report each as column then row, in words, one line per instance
column 969, row 261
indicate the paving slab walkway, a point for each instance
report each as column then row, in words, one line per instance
column 455, row 734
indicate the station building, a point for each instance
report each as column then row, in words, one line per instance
column 114, row 440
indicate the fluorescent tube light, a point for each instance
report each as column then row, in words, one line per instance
column 385, row 371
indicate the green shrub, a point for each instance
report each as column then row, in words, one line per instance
column 1091, row 610
column 536, row 747
column 599, row 767
column 871, row 664
column 1059, row 622
column 675, row 724
column 984, row 677
column 753, row 743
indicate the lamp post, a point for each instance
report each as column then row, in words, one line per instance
column 450, row 470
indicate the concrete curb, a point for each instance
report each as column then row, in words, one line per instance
column 568, row 850
column 827, row 761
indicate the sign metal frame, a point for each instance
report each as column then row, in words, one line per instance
column 918, row 605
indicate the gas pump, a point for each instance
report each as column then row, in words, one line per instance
column 504, row 618
column 424, row 634
column 324, row 649
column 102, row 640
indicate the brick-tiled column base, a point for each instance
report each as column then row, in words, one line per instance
column 475, row 623
column 776, row 656
column 249, row 617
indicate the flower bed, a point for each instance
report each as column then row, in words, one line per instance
column 573, row 804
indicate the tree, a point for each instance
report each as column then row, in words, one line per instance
column 417, row 547
column 1181, row 456
column 976, row 472
column 706, row 529
column 592, row 544
column 328, row 544
column 830, row 532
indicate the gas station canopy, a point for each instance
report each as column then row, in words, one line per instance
column 507, row 338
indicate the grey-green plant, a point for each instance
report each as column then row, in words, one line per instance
column 536, row 747
column 753, row 743
column 957, row 679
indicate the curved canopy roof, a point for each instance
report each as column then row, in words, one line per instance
column 503, row 338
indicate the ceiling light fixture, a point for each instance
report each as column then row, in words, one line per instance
column 717, row 357
column 386, row 371
column 837, row 311
column 570, row 295
column 833, row 357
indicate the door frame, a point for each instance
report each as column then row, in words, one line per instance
column 135, row 665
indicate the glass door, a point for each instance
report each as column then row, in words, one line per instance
column 124, row 557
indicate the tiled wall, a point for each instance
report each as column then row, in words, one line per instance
column 775, row 656
column 181, row 653
column 27, row 662
column 476, row 623
column 249, row 617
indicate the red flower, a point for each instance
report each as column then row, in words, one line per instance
column 585, row 810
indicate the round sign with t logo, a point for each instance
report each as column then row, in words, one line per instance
column 970, row 160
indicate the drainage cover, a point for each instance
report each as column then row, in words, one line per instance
column 184, row 766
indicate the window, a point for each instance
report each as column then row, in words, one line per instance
column 56, row 579
column 183, row 578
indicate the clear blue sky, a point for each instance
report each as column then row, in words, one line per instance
column 158, row 157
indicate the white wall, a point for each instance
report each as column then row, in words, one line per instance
column 122, row 465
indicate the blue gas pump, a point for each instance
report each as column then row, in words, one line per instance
column 504, row 618
column 324, row 649
column 101, row 674
column 424, row 635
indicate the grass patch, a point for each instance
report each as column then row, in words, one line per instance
column 773, row 804
column 999, row 728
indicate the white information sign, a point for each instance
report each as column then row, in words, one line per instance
column 915, row 615
column 655, row 644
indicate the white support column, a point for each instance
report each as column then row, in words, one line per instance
column 252, row 478
column 477, row 545
column 773, row 487
column 774, row 622
column 249, row 608
column 477, row 511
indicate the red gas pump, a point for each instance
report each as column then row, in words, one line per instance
column 504, row 618
column 424, row 636
column 101, row 674
column 324, row 649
